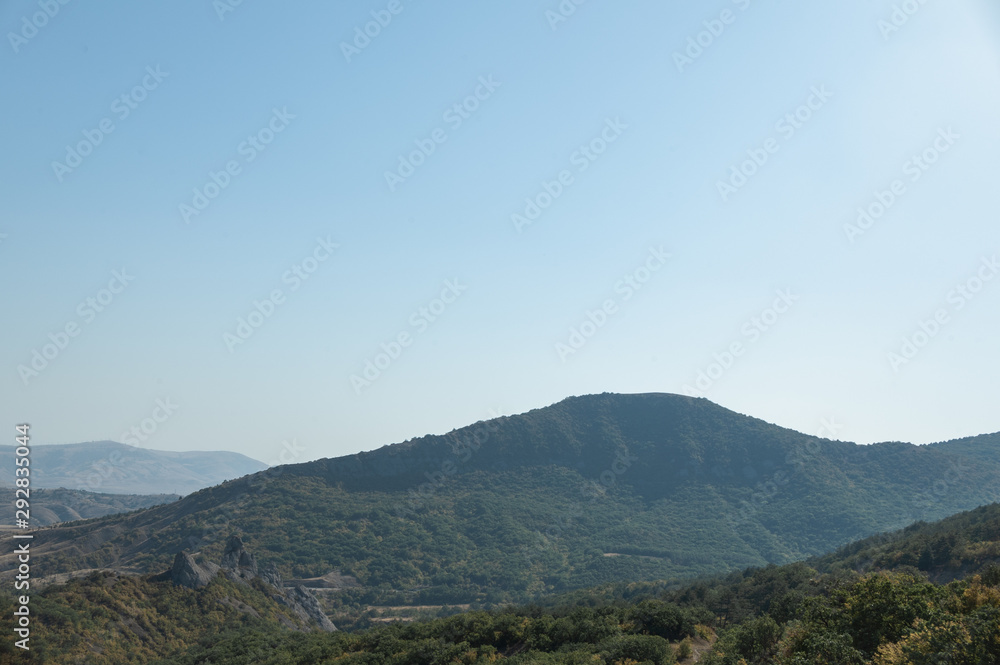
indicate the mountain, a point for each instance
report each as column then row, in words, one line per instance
column 116, row 468
column 61, row 505
column 591, row 490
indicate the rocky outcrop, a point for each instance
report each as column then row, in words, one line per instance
column 235, row 557
column 309, row 605
column 185, row 572
column 271, row 575
column 241, row 566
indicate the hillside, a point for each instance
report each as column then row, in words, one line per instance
column 789, row 615
column 588, row 491
column 107, row 618
column 952, row 548
column 984, row 448
column 61, row 505
column 116, row 468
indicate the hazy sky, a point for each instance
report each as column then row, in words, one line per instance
column 512, row 201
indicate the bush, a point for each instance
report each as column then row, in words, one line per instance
column 639, row 648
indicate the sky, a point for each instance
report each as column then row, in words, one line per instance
column 230, row 226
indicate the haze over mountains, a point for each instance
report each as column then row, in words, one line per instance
column 51, row 506
column 116, row 468
column 594, row 489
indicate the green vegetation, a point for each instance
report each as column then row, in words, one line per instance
column 945, row 550
column 790, row 615
column 600, row 510
column 824, row 611
column 883, row 618
column 590, row 491
column 640, row 633
column 109, row 619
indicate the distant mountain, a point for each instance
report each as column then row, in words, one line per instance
column 591, row 490
column 116, row 468
column 61, row 505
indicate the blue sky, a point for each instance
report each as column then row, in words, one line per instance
column 773, row 302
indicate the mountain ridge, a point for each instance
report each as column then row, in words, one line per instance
column 590, row 490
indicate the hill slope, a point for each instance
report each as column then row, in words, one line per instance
column 108, row 618
column 106, row 466
column 788, row 615
column 591, row 490
column 952, row 548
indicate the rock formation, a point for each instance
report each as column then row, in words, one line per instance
column 304, row 602
column 271, row 575
column 241, row 566
column 235, row 557
column 185, row 572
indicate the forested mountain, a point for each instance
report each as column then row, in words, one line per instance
column 591, row 490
